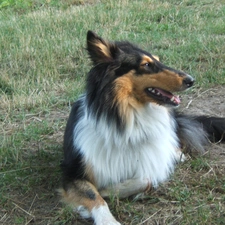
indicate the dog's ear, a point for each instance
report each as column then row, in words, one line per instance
column 156, row 57
column 100, row 51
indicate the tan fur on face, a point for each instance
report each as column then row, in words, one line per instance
column 146, row 59
column 130, row 89
column 130, row 86
column 124, row 96
column 166, row 80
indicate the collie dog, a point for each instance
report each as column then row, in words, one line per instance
column 123, row 135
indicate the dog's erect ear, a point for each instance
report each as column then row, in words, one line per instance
column 100, row 50
column 156, row 57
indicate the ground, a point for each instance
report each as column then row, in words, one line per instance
column 197, row 185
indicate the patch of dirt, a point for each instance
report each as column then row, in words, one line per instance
column 41, row 205
column 207, row 102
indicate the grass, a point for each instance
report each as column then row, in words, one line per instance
column 42, row 71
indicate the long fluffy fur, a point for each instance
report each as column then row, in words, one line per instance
column 118, row 156
column 123, row 130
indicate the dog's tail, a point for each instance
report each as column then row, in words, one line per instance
column 196, row 132
column 214, row 127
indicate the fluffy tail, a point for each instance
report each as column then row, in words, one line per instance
column 214, row 127
column 196, row 132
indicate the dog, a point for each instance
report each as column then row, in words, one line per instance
column 124, row 135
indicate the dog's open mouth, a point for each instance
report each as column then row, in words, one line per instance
column 163, row 96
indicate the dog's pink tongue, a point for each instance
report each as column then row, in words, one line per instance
column 176, row 99
column 169, row 95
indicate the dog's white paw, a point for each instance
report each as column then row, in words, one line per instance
column 102, row 216
column 180, row 156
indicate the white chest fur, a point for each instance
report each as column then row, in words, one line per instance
column 146, row 150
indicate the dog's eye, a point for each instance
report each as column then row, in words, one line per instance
column 147, row 64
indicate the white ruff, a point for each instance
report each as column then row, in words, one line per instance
column 147, row 149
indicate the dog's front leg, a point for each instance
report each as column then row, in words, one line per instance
column 85, row 199
column 126, row 188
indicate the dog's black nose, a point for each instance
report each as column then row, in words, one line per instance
column 188, row 81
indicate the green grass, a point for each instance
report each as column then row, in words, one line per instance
column 43, row 63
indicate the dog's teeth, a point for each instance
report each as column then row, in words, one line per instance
column 153, row 91
column 172, row 99
column 149, row 89
column 158, row 93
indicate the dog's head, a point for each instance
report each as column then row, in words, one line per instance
column 125, row 78
column 136, row 74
